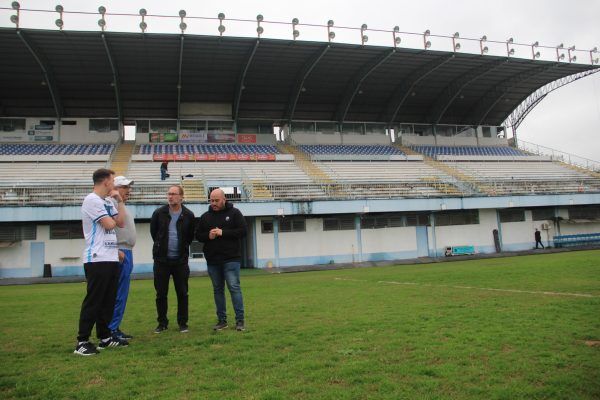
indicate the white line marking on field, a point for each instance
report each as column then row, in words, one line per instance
column 586, row 295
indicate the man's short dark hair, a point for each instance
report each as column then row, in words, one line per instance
column 101, row 174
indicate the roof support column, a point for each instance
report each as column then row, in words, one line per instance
column 115, row 82
column 179, row 81
column 48, row 75
column 240, row 83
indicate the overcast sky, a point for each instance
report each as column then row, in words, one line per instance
column 568, row 119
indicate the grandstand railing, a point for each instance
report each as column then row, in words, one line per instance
column 557, row 155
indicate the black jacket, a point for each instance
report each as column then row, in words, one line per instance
column 159, row 229
column 227, row 247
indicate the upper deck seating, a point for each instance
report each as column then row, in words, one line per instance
column 160, row 149
column 432, row 151
column 19, row 149
column 358, row 149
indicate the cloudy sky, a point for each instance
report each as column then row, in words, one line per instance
column 568, row 119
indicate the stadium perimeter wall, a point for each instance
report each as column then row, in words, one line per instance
column 286, row 249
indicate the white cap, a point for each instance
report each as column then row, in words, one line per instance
column 122, row 181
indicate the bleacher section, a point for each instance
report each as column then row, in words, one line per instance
column 499, row 151
column 527, row 177
column 69, row 173
column 374, row 150
column 17, row 149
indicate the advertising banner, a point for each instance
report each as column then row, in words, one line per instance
column 246, row 138
column 156, row 137
column 192, row 137
column 215, row 137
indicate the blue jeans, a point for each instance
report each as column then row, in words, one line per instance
column 125, row 269
column 229, row 273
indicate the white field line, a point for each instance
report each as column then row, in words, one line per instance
column 586, row 295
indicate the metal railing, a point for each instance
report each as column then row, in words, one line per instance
column 557, row 155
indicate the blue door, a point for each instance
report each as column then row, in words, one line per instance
column 422, row 242
column 36, row 259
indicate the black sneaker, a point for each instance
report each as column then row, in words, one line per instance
column 85, row 349
column 183, row 328
column 220, row 326
column 239, row 326
column 160, row 329
column 112, row 342
column 121, row 335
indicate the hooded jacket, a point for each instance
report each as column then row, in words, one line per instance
column 159, row 230
column 226, row 247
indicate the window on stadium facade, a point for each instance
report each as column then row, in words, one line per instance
column 382, row 221
column 103, row 125
column 294, row 224
column 12, row 124
column 15, row 232
column 417, row 220
column 353, row 128
column 66, row 230
column 163, row 125
column 458, row 217
column 299, row 126
column 512, row 215
column 339, row 223
column 584, row 212
column 542, row 213
column 266, row 226
column 254, row 127
column 327, row 127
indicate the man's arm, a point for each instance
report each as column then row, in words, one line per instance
column 154, row 225
column 202, row 231
column 120, row 206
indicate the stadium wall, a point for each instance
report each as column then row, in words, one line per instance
column 480, row 236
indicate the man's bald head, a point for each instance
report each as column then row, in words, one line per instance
column 217, row 199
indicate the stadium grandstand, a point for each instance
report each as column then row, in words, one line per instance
column 334, row 153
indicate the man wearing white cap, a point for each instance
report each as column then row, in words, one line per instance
column 126, row 238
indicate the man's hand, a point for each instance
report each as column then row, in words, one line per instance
column 215, row 233
column 116, row 195
column 121, row 256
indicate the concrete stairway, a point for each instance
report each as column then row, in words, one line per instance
column 120, row 161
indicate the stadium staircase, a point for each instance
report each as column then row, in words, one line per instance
column 463, row 184
column 573, row 167
column 194, row 190
column 120, row 160
column 315, row 173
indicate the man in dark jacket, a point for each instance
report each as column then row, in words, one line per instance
column 172, row 229
column 220, row 229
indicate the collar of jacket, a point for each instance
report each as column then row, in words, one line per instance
column 228, row 206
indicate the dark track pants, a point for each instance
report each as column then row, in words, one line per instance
column 99, row 302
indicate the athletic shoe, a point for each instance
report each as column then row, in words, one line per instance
column 112, row 342
column 121, row 335
column 239, row 326
column 85, row 349
column 160, row 329
column 220, row 326
column 183, row 328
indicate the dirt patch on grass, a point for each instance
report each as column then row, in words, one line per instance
column 95, row 382
column 592, row 343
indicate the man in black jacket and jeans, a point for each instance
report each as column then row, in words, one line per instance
column 221, row 228
column 172, row 228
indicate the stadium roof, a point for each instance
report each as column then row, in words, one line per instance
column 135, row 75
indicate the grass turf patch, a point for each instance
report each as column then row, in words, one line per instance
column 418, row 331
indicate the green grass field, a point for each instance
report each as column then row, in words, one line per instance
column 433, row 331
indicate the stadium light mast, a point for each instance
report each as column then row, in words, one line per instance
column 455, row 44
column 15, row 18
column 574, row 57
column 59, row 22
column 259, row 29
column 330, row 33
column 363, row 38
column 592, row 52
column 535, row 54
column 221, row 28
column 102, row 20
column 510, row 51
column 426, row 43
column 143, row 24
column 182, row 24
column 295, row 32
column 483, row 49
column 397, row 39
column 560, row 56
